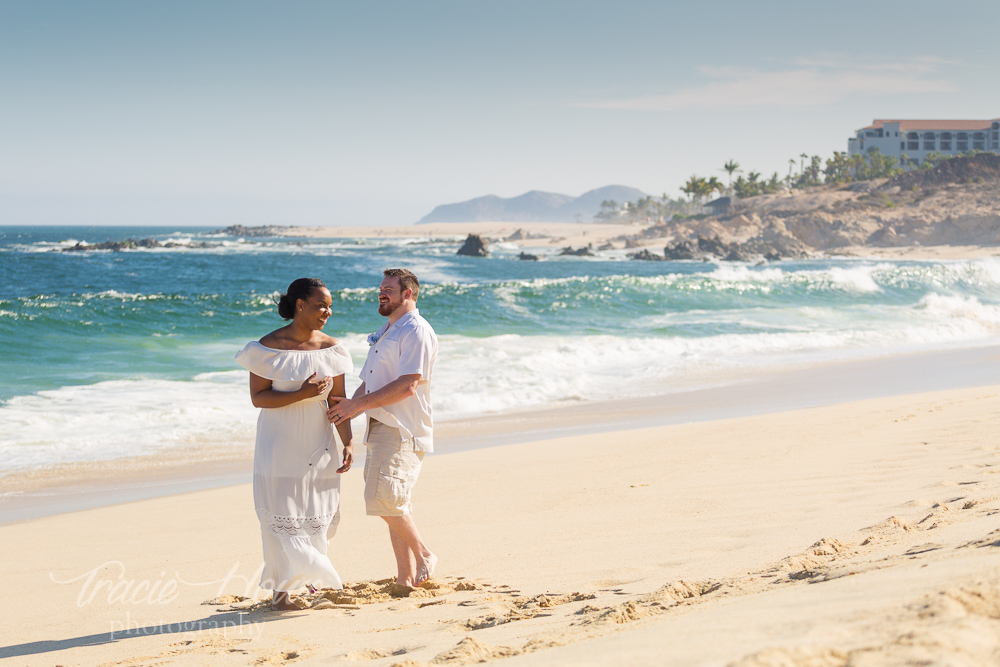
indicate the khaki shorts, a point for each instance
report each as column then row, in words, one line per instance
column 390, row 472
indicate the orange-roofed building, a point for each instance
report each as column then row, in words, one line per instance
column 917, row 138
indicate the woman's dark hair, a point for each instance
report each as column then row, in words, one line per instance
column 299, row 289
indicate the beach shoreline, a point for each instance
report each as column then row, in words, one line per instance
column 557, row 235
column 838, row 505
column 73, row 487
column 802, row 535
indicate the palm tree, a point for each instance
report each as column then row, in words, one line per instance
column 732, row 166
column 700, row 187
column 713, row 185
column 791, row 165
column 802, row 164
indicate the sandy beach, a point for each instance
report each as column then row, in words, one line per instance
column 827, row 514
column 533, row 234
column 861, row 533
column 558, row 235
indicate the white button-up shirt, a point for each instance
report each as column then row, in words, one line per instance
column 407, row 347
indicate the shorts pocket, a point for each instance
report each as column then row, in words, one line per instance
column 395, row 481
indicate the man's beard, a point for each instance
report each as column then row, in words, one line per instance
column 388, row 308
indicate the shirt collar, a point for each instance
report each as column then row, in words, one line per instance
column 405, row 316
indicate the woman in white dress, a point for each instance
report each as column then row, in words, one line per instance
column 296, row 478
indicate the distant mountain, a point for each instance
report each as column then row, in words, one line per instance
column 534, row 206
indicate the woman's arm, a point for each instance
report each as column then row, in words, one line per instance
column 344, row 428
column 262, row 395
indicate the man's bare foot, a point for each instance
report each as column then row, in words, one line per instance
column 404, row 581
column 282, row 601
column 425, row 569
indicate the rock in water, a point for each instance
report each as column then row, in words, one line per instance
column 680, row 250
column 530, row 258
column 259, row 231
column 474, row 246
column 646, row 255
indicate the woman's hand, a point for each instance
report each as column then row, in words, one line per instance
column 348, row 458
column 313, row 386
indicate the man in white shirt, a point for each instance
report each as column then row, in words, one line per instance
column 395, row 395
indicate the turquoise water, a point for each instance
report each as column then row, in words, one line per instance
column 108, row 354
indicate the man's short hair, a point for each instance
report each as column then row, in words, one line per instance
column 407, row 280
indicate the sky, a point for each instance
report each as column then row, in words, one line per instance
column 374, row 112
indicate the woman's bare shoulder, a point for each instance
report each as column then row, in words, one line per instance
column 328, row 341
column 278, row 340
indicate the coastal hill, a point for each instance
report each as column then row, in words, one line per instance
column 955, row 203
column 534, row 206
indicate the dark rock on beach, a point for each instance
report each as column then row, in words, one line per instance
column 474, row 246
column 577, row 252
column 646, row 255
column 714, row 248
column 681, row 250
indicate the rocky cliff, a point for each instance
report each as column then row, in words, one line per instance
column 956, row 203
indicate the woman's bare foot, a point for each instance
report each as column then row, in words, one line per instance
column 282, row 601
column 425, row 569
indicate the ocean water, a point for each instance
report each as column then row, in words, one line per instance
column 114, row 354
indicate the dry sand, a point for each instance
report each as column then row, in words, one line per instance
column 861, row 534
column 536, row 234
column 557, row 235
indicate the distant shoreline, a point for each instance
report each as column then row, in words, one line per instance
column 557, row 235
column 49, row 491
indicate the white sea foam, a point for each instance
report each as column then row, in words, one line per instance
column 855, row 309
column 498, row 373
column 122, row 418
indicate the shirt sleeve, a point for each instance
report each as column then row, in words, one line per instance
column 416, row 352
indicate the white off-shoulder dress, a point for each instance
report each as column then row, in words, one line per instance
column 296, row 488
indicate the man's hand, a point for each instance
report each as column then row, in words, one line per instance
column 342, row 409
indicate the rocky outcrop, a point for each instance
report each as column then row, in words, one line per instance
column 682, row 250
column 647, row 256
column 521, row 235
column 583, row 251
column 528, row 258
column 956, row 203
column 474, row 246
column 716, row 248
column 249, row 232
column 133, row 244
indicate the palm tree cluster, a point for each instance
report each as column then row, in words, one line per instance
column 700, row 188
column 752, row 185
column 647, row 209
column 841, row 168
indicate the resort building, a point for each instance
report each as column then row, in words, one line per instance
column 916, row 138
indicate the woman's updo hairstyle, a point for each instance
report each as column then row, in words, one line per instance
column 299, row 289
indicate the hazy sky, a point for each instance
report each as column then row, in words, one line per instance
column 373, row 112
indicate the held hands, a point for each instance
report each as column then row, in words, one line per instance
column 342, row 409
column 313, row 386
